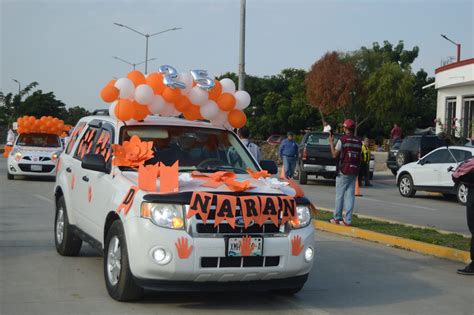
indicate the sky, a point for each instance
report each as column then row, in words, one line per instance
column 67, row 46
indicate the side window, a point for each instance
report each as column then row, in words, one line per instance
column 440, row 156
column 86, row 143
column 461, row 155
column 73, row 138
column 103, row 145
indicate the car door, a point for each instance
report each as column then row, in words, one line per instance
column 99, row 184
column 427, row 170
column 459, row 156
column 80, row 195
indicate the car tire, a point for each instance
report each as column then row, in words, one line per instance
column 371, row 176
column 461, row 194
column 402, row 158
column 117, row 274
column 10, row 176
column 67, row 244
column 394, row 172
column 303, row 176
column 405, row 186
column 287, row 292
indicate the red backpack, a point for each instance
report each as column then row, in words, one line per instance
column 351, row 155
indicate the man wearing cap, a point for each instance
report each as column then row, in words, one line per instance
column 288, row 153
column 348, row 154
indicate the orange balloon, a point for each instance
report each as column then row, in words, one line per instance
column 171, row 95
column 155, row 80
column 111, row 82
column 183, row 104
column 226, row 102
column 193, row 113
column 137, row 77
column 124, row 110
column 109, row 93
column 237, row 118
column 216, row 91
column 141, row 111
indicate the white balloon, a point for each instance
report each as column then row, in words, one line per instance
column 198, row 96
column 242, row 99
column 228, row 86
column 210, row 110
column 144, row 94
column 168, row 110
column 112, row 110
column 157, row 105
column 220, row 119
column 187, row 79
column 125, row 87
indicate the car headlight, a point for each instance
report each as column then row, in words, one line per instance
column 55, row 156
column 165, row 215
column 17, row 156
column 303, row 217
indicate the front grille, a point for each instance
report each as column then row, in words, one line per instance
column 27, row 168
column 224, row 228
column 41, row 158
column 238, row 262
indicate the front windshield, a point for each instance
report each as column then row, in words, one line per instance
column 38, row 140
column 202, row 149
column 321, row 138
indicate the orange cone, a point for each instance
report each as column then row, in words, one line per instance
column 357, row 190
column 282, row 174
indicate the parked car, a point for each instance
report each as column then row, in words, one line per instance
column 433, row 173
column 174, row 241
column 315, row 157
column 411, row 149
column 275, row 139
column 34, row 154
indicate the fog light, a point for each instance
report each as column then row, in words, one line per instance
column 161, row 256
column 308, row 254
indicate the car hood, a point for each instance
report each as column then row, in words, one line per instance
column 187, row 183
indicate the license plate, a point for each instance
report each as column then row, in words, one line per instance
column 36, row 168
column 233, row 246
column 330, row 168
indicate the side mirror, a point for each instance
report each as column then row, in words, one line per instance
column 450, row 169
column 421, row 162
column 269, row 166
column 94, row 162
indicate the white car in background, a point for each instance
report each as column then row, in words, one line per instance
column 433, row 173
column 34, row 154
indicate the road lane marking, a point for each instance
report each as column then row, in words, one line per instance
column 44, row 198
column 398, row 204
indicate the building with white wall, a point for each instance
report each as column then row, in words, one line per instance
column 455, row 105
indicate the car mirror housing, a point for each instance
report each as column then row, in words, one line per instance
column 269, row 166
column 94, row 162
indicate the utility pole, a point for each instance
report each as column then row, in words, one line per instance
column 242, row 46
column 458, row 46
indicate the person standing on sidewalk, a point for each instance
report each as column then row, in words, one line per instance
column 395, row 133
column 289, row 153
column 364, row 173
column 348, row 154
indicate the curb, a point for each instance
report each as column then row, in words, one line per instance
column 363, row 216
column 395, row 241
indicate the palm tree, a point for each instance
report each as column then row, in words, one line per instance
column 10, row 104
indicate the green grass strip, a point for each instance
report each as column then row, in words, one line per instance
column 426, row 235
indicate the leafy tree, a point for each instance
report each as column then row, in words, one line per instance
column 42, row 104
column 74, row 114
column 10, row 104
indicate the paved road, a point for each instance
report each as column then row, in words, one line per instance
column 350, row 276
column 383, row 200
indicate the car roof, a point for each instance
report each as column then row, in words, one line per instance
column 457, row 147
column 153, row 120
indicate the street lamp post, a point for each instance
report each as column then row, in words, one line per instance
column 19, row 85
column 133, row 64
column 147, row 36
column 457, row 45
column 242, row 46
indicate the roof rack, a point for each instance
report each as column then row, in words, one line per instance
column 101, row 112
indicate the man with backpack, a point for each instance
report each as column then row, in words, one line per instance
column 348, row 154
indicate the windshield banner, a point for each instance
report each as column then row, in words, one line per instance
column 258, row 209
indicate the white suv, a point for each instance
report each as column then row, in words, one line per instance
column 157, row 244
column 433, row 173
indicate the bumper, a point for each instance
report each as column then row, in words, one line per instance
column 320, row 169
column 27, row 168
column 263, row 285
column 143, row 237
column 392, row 165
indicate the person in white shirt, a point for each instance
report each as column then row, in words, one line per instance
column 244, row 135
column 10, row 136
column 327, row 127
